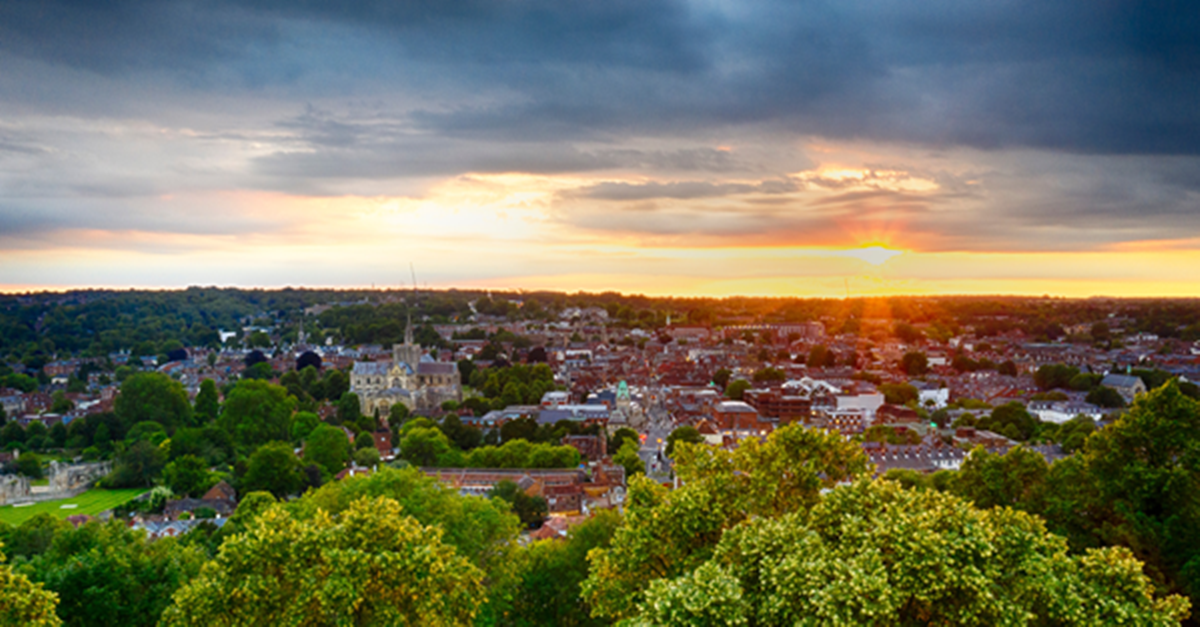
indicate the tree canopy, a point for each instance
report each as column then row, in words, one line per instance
column 372, row 565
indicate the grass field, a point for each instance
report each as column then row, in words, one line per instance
column 91, row 502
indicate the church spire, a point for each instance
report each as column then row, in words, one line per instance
column 408, row 332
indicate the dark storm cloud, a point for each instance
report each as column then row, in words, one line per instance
column 1102, row 76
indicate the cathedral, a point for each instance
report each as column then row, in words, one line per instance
column 410, row 378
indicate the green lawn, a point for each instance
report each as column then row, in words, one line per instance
column 91, row 502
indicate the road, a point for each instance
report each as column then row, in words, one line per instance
column 657, row 429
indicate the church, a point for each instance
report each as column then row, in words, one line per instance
column 410, row 378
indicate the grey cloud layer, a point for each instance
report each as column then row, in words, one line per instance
column 1115, row 76
column 313, row 97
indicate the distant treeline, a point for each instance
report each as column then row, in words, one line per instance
column 38, row 328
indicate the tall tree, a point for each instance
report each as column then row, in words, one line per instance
column 257, row 412
column 207, row 402
column 372, row 566
column 877, row 554
column 23, row 602
column 328, row 447
column 273, row 468
column 668, row 533
column 150, row 396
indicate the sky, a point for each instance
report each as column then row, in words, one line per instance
column 789, row 148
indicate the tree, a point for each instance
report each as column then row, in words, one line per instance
column 303, row 423
column 1011, row 420
column 30, row 465
column 898, row 393
column 335, row 383
column 349, row 409
column 482, row 530
column 423, row 446
column 871, row 553
column 328, row 447
column 58, row 435
column 532, row 510
column 273, row 468
column 150, row 396
column 686, row 433
column 764, row 375
column 1074, row 432
column 257, row 412
column 1144, row 467
column 188, row 476
column 669, row 533
column 620, row 437
column 207, row 402
column 721, row 377
column 108, row 574
column 914, row 363
column 736, row 389
column 367, row 457
column 1015, row 479
column 1104, row 396
column 629, row 457
column 308, row 359
column 375, row 566
column 1050, row 376
column 138, row 466
column 821, row 357
column 23, row 602
column 551, row 571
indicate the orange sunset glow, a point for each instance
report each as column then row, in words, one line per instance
column 344, row 164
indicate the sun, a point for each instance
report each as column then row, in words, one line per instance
column 874, row 255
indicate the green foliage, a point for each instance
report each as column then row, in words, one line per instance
column 481, row 530
column 1104, row 396
column 372, row 565
column 188, row 476
column 620, row 436
column 551, row 572
column 736, row 389
column 669, row 533
column 522, row 454
column 328, row 447
column 1144, row 466
column 1074, row 432
column 108, row 574
column 899, row 393
column 532, row 510
column 764, row 375
column 1010, row 420
column 207, row 402
column 628, row 457
column 891, row 435
column 821, row 357
column 23, row 602
column 275, row 469
column 150, row 396
column 874, row 553
column 30, row 465
column 367, row 457
column 303, row 423
column 1052, row 376
column 257, row 412
column 686, row 433
column 1014, row 479
column 139, row 465
column 914, row 363
column 520, row 384
column 423, row 446
column 721, row 377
